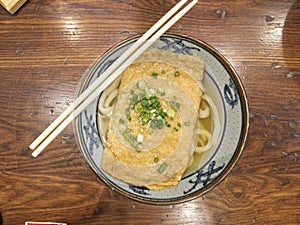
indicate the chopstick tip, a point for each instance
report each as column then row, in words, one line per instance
column 35, row 154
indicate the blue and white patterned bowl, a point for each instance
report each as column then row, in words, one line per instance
column 221, row 83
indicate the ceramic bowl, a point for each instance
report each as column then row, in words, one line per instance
column 220, row 82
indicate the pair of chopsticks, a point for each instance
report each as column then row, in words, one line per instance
column 93, row 91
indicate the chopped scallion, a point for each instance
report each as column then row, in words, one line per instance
column 148, row 108
column 162, row 168
column 144, row 102
column 176, row 74
column 171, row 113
column 122, row 127
column 142, row 84
column 140, row 138
column 155, row 75
column 152, row 110
column 145, row 120
column 187, row 123
column 160, row 90
column 131, row 140
column 168, row 124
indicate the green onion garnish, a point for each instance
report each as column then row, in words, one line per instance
column 176, row 74
column 161, row 91
column 132, row 141
column 156, row 123
column 142, row 84
column 122, row 127
column 144, row 102
column 171, row 113
column 187, row 123
column 155, row 75
column 148, row 108
column 162, row 168
column 127, row 112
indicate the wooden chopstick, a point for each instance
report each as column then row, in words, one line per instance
column 103, row 76
column 108, row 76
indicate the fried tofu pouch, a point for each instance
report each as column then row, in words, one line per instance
column 161, row 159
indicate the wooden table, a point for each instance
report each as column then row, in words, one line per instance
column 46, row 47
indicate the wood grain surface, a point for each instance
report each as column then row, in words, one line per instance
column 46, row 47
